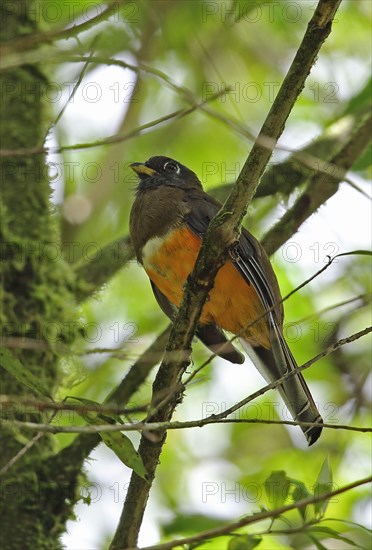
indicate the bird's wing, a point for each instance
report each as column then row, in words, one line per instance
column 251, row 261
column 211, row 336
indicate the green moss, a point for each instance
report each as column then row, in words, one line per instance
column 37, row 303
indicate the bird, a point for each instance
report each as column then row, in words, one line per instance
column 168, row 220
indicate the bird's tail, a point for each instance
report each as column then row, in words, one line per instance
column 273, row 364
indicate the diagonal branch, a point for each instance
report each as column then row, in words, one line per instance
column 81, row 447
column 116, row 138
column 116, row 254
column 320, row 188
column 317, row 31
column 330, row 349
column 284, row 177
column 255, row 518
column 222, row 232
column 28, row 42
column 93, row 275
column 120, row 396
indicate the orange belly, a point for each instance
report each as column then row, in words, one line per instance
column 233, row 304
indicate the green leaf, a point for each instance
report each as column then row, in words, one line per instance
column 124, row 449
column 317, row 543
column 244, row 542
column 277, row 488
column 14, row 367
column 190, row 523
column 353, row 524
column 119, row 443
column 323, row 485
column 300, row 492
column 325, row 474
column 94, row 412
column 335, row 534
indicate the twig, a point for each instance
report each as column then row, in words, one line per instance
column 137, row 374
column 77, row 84
column 34, row 40
column 264, row 314
column 363, row 298
column 12, row 401
column 109, row 140
column 22, row 451
column 27, row 446
column 320, row 188
column 249, row 520
column 306, row 365
column 308, row 156
column 158, row 426
column 212, row 419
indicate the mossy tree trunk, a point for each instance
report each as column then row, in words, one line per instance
column 38, row 490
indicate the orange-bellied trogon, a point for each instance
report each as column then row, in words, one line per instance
column 168, row 220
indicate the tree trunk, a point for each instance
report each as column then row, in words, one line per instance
column 37, row 302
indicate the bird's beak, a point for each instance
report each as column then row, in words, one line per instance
column 141, row 169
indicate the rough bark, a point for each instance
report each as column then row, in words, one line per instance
column 37, row 301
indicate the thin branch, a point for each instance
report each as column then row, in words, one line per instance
column 356, row 187
column 95, row 274
column 249, row 520
column 162, row 425
column 317, row 31
column 320, row 188
column 31, row 41
column 364, row 300
column 8, row 402
column 302, row 157
column 139, row 67
column 90, row 145
column 264, row 314
column 222, row 232
column 158, row 426
column 310, row 157
column 175, row 115
column 137, row 374
column 305, row 366
column 77, row 83
column 27, row 446
column 330, row 349
column 22, row 452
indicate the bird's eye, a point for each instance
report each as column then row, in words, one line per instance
column 172, row 167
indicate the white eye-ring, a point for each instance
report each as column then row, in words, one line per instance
column 171, row 166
